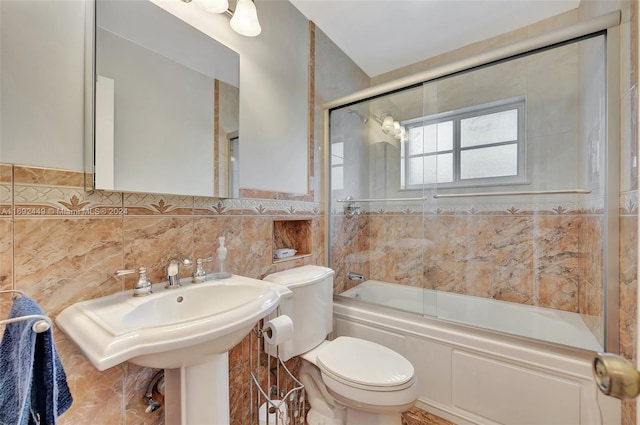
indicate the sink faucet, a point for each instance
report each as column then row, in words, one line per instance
column 200, row 275
column 173, row 280
column 143, row 286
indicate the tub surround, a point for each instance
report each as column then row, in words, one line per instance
column 546, row 258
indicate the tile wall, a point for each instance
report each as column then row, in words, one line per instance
column 61, row 245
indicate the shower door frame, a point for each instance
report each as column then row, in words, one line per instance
column 609, row 24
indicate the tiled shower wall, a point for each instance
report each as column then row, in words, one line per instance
column 62, row 245
column 549, row 258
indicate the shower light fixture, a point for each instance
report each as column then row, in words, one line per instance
column 387, row 124
column 244, row 20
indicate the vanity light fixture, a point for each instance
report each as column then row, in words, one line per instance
column 244, row 20
column 213, row 6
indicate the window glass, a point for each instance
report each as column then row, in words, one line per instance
column 431, row 169
column 416, row 171
column 490, row 128
column 431, row 138
column 495, row 161
column 445, row 168
column 479, row 142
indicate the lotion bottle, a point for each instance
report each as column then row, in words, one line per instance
column 221, row 271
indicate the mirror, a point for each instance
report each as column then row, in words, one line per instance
column 166, row 103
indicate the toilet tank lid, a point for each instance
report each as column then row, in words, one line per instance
column 299, row 276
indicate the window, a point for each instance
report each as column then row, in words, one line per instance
column 480, row 145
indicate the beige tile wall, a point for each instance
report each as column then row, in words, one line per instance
column 547, row 258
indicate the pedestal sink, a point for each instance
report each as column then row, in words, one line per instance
column 186, row 331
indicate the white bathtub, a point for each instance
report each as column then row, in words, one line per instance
column 470, row 375
column 556, row 326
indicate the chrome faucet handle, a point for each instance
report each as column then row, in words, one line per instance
column 173, row 278
column 143, row 286
column 200, row 275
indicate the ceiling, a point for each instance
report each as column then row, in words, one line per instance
column 383, row 35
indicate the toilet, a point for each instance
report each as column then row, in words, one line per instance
column 348, row 381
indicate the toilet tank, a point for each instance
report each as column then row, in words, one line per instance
column 310, row 307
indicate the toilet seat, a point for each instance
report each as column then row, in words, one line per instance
column 365, row 365
column 389, row 401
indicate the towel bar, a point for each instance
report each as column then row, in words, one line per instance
column 15, row 292
column 42, row 325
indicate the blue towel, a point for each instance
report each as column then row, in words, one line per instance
column 33, row 385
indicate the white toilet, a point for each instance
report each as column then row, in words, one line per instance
column 348, row 381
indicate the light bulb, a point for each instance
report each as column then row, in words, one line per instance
column 387, row 124
column 245, row 19
column 214, row 6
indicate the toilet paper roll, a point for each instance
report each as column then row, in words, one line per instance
column 278, row 330
column 269, row 415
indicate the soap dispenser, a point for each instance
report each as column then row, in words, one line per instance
column 221, row 271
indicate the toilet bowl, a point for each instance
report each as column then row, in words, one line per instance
column 348, row 380
column 374, row 384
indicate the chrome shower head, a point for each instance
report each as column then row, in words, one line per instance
column 363, row 119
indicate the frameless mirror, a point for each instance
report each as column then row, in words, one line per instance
column 166, row 103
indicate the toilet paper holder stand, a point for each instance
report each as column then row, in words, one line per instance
column 616, row 376
column 277, row 396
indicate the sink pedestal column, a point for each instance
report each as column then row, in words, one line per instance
column 198, row 395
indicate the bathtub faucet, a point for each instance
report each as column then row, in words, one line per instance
column 355, row 276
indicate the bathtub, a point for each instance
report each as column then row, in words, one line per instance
column 555, row 326
column 483, row 361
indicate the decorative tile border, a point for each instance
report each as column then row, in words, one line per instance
column 465, row 207
column 154, row 204
column 63, row 194
column 6, row 182
column 52, row 192
column 629, row 203
column 204, row 206
column 35, row 200
column 5, row 199
column 278, row 207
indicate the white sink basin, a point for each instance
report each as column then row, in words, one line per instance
column 171, row 328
